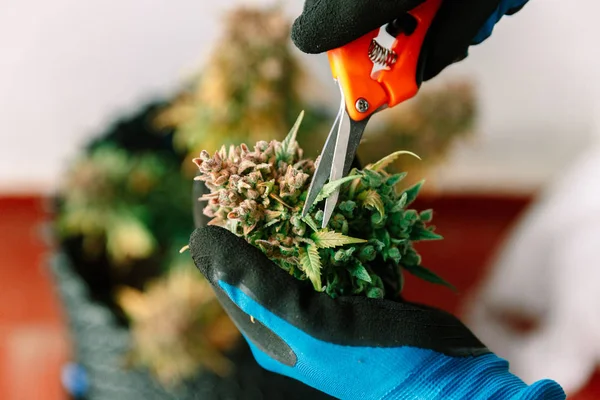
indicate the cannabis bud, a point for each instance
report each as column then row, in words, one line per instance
column 259, row 194
column 178, row 327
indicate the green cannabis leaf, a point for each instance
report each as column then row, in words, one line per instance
column 310, row 222
column 395, row 179
column 359, row 271
column 330, row 187
column 413, row 192
column 426, row 215
column 387, row 160
column 423, row 234
column 259, row 194
column 286, row 151
column 428, row 275
column 372, row 199
column 326, row 239
column 311, row 265
column 400, row 204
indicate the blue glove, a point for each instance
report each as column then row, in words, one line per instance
column 328, row 24
column 351, row 347
column 506, row 7
column 75, row 380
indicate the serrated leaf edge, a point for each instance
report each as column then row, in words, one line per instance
column 310, row 263
column 387, row 160
column 330, row 187
column 322, row 243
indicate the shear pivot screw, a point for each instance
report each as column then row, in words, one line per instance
column 362, row 105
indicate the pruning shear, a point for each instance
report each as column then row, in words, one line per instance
column 375, row 72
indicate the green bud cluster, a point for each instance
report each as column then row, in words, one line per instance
column 259, row 195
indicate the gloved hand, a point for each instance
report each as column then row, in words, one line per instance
column 351, row 347
column 328, row 24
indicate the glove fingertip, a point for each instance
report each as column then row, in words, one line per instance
column 305, row 38
column 221, row 255
column 201, row 260
column 212, row 245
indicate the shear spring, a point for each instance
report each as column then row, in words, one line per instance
column 382, row 56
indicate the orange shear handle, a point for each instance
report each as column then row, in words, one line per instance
column 352, row 66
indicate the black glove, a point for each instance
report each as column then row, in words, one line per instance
column 351, row 347
column 328, row 24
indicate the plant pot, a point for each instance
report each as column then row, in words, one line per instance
column 101, row 341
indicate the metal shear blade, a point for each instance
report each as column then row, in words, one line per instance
column 336, row 159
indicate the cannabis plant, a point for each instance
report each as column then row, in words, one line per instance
column 114, row 201
column 125, row 207
column 112, row 223
column 251, row 87
column 180, row 327
column 259, row 194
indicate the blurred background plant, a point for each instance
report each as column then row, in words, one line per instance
column 125, row 209
column 179, row 326
column 252, row 88
column 121, row 211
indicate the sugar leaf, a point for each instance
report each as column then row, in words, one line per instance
column 372, row 199
column 287, row 146
column 357, row 270
column 426, row 215
column 394, row 254
column 310, row 222
column 394, row 179
column 413, row 192
column 310, row 263
column 410, row 216
column 428, row 275
column 374, row 179
column 353, row 188
column 344, row 255
column 424, row 234
column 375, row 293
column 387, row 160
column 329, row 188
column 308, row 241
column 400, row 204
column 327, row 239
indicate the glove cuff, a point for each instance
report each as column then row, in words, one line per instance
column 483, row 377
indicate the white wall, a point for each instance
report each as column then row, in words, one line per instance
column 67, row 67
column 538, row 77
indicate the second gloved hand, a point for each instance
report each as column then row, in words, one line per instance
column 351, row 347
column 328, row 24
